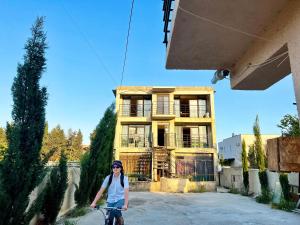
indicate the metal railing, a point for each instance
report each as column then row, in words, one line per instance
column 191, row 141
column 190, row 110
column 135, row 140
column 167, row 12
column 135, row 110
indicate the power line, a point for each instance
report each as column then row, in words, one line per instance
column 90, row 45
column 127, row 38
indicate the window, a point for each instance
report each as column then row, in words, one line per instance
column 192, row 137
column 163, row 104
column 197, row 168
column 136, row 136
column 139, row 106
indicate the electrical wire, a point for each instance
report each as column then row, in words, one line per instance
column 221, row 25
column 127, row 40
column 88, row 42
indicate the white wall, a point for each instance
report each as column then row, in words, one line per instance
column 232, row 147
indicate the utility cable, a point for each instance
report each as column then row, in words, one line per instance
column 90, row 45
column 127, row 39
column 221, row 25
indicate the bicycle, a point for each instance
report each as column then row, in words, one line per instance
column 108, row 212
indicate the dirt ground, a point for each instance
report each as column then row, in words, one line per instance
column 209, row 208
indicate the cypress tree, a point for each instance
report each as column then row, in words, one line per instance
column 22, row 169
column 55, row 190
column 96, row 165
column 245, row 166
column 258, row 146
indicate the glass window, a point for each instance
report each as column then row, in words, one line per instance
column 193, row 108
column 126, row 107
column 202, row 107
column 163, row 104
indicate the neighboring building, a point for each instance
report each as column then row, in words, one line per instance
column 257, row 41
column 231, row 148
column 166, row 131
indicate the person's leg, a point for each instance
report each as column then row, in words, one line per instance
column 118, row 213
column 110, row 213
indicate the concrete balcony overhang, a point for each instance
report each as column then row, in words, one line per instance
column 163, row 116
column 216, row 35
column 163, row 89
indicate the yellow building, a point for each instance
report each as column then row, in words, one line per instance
column 166, row 132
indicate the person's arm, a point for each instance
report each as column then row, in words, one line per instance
column 100, row 192
column 126, row 193
column 98, row 196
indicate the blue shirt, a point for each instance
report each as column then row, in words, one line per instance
column 115, row 189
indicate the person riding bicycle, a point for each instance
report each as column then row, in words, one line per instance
column 118, row 190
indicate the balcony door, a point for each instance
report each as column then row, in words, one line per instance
column 163, row 104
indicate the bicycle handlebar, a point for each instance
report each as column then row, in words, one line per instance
column 109, row 208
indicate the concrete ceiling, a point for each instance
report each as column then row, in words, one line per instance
column 214, row 34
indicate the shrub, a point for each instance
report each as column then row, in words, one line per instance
column 77, row 212
column 265, row 196
column 284, row 205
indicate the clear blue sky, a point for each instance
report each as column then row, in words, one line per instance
column 84, row 35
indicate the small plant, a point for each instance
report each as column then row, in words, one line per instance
column 69, row 222
column 265, row 196
column 233, row 190
column 77, row 212
column 284, row 205
column 202, row 189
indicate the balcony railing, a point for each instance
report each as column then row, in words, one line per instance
column 192, row 141
column 135, row 110
column 164, row 108
column 135, row 141
column 189, row 110
column 168, row 140
column 167, row 12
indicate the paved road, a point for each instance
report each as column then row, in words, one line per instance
column 196, row 209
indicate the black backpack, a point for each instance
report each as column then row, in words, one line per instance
column 121, row 180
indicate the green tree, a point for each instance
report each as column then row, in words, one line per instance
column 252, row 157
column 22, row 169
column 96, row 164
column 3, row 142
column 74, row 145
column 57, row 140
column 245, row 165
column 258, row 146
column 289, row 126
column 55, row 190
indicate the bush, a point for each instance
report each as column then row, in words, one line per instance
column 265, row 196
column 284, row 205
column 234, row 190
column 77, row 212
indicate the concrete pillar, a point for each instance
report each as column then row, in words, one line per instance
column 294, row 54
column 172, row 163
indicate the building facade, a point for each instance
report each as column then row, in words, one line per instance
column 166, row 132
column 231, row 148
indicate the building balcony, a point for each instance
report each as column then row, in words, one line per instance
column 135, row 110
column 192, row 141
column 135, row 141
